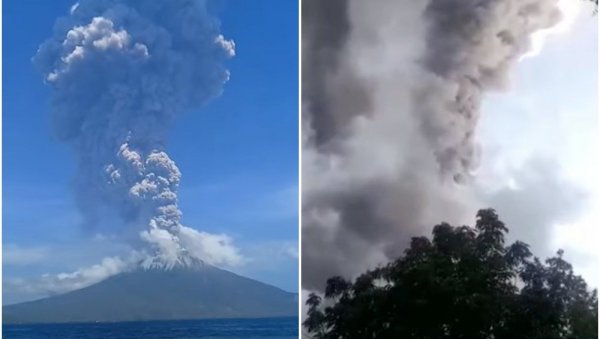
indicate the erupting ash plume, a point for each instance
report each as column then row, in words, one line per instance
column 121, row 71
column 391, row 99
column 471, row 47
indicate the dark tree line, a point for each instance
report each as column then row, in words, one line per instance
column 463, row 283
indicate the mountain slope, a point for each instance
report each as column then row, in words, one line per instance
column 182, row 293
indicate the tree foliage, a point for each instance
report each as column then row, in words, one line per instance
column 463, row 283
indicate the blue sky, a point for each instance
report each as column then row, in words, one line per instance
column 238, row 155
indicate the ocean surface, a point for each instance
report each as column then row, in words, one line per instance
column 272, row 328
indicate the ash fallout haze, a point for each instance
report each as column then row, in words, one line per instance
column 92, row 186
column 418, row 112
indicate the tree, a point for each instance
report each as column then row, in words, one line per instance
column 463, row 283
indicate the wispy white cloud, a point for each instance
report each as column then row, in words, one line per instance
column 214, row 249
column 292, row 251
column 13, row 254
column 284, row 201
column 50, row 284
column 271, row 254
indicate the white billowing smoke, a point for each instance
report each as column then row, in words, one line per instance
column 121, row 71
column 51, row 284
column 391, row 100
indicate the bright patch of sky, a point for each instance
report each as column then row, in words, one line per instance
column 551, row 113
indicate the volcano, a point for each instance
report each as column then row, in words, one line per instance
column 197, row 292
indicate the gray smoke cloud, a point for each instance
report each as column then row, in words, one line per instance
column 391, row 99
column 471, row 47
column 121, row 71
column 540, row 198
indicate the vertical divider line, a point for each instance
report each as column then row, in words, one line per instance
column 299, row 168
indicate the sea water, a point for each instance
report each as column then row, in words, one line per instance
column 272, row 328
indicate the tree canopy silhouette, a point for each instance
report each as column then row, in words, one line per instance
column 463, row 283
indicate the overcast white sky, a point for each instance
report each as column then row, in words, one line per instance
column 541, row 140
